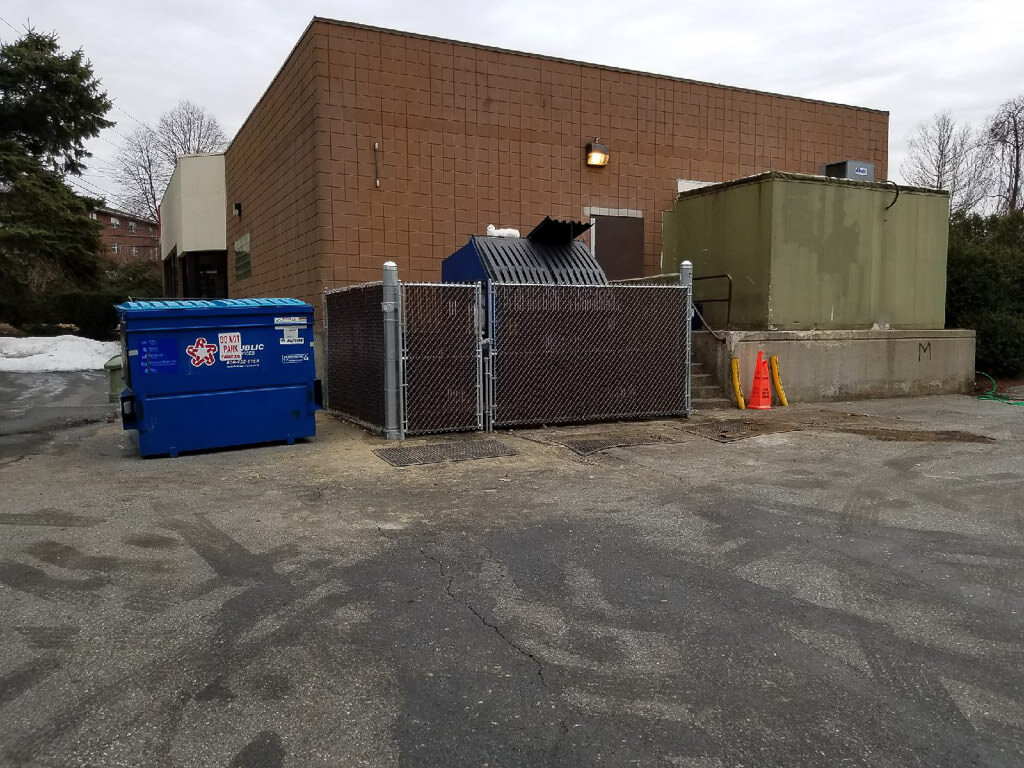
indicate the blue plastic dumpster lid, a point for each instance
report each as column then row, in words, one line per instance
column 171, row 307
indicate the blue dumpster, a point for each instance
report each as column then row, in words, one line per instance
column 224, row 372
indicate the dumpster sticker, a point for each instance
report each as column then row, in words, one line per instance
column 249, row 356
column 230, row 346
column 289, row 321
column 157, row 355
column 291, row 336
column 295, row 357
column 202, row 352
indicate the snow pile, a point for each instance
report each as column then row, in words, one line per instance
column 507, row 232
column 55, row 353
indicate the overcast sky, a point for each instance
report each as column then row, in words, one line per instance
column 910, row 57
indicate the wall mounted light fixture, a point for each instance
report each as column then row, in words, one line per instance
column 597, row 154
column 236, row 209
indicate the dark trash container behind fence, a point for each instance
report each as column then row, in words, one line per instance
column 211, row 374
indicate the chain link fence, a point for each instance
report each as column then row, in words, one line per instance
column 416, row 358
column 587, row 353
column 355, row 353
column 441, row 358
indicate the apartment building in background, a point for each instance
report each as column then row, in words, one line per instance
column 126, row 237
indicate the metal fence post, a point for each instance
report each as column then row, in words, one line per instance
column 480, row 328
column 489, row 351
column 326, row 383
column 686, row 281
column 392, row 383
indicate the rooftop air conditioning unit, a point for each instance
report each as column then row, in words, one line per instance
column 850, row 169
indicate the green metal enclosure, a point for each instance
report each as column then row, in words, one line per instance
column 810, row 252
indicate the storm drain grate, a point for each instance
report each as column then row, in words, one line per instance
column 730, row 430
column 437, row 453
column 587, row 446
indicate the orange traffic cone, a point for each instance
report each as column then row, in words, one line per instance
column 761, row 390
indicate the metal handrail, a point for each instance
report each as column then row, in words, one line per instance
column 727, row 299
column 674, row 276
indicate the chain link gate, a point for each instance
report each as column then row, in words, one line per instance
column 563, row 353
column 441, row 371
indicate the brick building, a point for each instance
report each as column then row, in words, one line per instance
column 372, row 144
column 126, row 237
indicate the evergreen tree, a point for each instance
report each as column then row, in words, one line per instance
column 985, row 287
column 50, row 104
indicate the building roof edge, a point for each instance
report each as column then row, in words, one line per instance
column 546, row 57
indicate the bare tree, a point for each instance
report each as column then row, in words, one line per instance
column 145, row 162
column 142, row 173
column 1004, row 134
column 945, row 155
column 188, row 129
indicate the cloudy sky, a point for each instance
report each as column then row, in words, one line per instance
column 910, row 57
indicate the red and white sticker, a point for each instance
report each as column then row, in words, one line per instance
column 202, row 352
column 230, row 346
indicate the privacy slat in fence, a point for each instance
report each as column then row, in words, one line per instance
column 546, row 354
column 441, row 353
column 587, row 353
column 355, row 353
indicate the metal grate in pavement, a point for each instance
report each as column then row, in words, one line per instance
column 437, row 453
column 587, row 446
column 730, row 430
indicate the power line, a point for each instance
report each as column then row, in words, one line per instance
column 82, row 190
column 113, row 130
column 133, row 117
column 101, row 137
column 88, row 184
column 5, row 21
column 88, row 192
column 84, row 186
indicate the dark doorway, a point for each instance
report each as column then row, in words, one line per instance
column 619, row 245
column 204, row 275
column 171, row 275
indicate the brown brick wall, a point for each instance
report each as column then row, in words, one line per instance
column 471, row 136
column 272, row 169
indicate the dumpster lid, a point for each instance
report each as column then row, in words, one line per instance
column 522, row 260
column 171, row 307
column 556, row 232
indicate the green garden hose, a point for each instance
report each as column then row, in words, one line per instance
column 991, row 394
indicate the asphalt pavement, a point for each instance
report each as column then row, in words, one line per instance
column 41, row 402
column 836, row 585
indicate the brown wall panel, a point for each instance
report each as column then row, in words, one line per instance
column 469, row 136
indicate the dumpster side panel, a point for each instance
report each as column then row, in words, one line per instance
column 170, row 424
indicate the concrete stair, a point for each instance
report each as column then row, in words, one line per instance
column 705, row 394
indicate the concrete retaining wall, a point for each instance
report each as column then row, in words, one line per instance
column 843, row 365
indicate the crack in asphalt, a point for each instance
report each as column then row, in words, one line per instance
column 483, row 619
